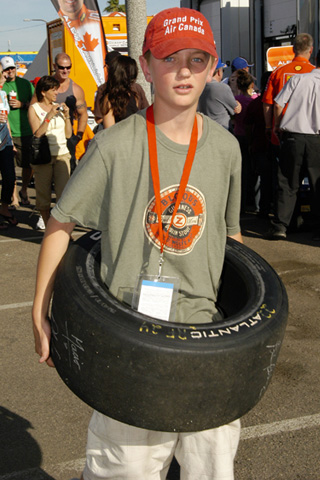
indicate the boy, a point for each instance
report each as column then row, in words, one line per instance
column 124, row 197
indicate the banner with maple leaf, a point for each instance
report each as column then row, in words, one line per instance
column 83, row 20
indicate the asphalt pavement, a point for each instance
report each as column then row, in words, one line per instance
column 43, row 424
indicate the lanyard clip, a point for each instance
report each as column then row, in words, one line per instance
column 161, row 260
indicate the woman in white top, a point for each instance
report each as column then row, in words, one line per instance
column 53, row 120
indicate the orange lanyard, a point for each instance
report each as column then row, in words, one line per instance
column 152, row 142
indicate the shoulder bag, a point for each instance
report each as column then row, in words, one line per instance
column 40, row 151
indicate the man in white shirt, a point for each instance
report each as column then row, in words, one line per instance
column 299, row 129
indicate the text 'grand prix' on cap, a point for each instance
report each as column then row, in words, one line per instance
column 176, row 29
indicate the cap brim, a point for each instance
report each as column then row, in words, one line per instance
column 169, row 47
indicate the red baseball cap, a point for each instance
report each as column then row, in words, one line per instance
column 176, row 29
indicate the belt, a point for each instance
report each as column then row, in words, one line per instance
column 284, row 132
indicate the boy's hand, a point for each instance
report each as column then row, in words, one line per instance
column 42, row 337
column 53, row 247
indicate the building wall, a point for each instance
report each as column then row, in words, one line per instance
column 247, row 28
column 230, row 21
column 279, row 16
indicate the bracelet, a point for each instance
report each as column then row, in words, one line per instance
column 66, row 118
column 47, row 120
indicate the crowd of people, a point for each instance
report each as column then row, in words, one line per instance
column 278, row 139
column 235, row 102
column 55, row 106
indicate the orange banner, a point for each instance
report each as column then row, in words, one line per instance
column 83, row 20
column 278, row 56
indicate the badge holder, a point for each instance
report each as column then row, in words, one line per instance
column 156, row 296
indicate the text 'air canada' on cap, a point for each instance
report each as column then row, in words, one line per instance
column 176, row 29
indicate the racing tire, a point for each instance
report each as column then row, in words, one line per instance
column 160, row 375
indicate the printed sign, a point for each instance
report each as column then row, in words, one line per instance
column 279, row 56
column 83, row 21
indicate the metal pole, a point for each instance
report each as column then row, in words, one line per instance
column 136, row 11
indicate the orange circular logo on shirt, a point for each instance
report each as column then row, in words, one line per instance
column 187, row 225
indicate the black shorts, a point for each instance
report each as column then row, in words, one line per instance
column 23, row 153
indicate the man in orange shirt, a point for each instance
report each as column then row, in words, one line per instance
column 302, row 47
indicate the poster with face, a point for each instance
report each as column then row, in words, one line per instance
column 83, row 20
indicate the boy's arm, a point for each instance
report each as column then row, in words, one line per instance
column 54, row 246
column 237, row 237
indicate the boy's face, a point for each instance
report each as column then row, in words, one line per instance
column 180, row 78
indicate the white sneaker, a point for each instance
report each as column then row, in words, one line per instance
column 40, row 224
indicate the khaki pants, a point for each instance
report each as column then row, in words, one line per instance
column 121, row 452
column 57, row 172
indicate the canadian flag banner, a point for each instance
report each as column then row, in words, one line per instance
column 83, row 20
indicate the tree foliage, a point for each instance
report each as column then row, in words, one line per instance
column 114, row 6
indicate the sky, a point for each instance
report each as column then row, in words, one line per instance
column 17, row 35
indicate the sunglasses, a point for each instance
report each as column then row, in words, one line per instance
column 64, row 68
column 9, row 68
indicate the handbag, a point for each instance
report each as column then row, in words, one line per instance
column 40, row 151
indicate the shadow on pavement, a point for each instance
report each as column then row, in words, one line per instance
column 20, row 454
column 26, row 229
column 256, row 227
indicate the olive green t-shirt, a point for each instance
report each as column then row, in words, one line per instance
column 111, row 190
